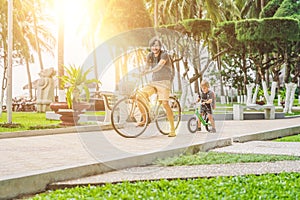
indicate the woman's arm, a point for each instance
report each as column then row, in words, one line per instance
column 159, row 65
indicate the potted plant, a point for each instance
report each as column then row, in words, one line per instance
column 77, row 85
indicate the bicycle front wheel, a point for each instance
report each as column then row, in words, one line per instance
column 162, row 122
column 192, row 124
column 125, row 117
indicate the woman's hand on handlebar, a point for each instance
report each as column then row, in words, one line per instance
column 144, row 72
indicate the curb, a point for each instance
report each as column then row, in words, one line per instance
column 13, row 186
column 269, row 135
column 64, row 130
column 156, row 173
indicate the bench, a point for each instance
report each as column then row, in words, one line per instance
column 238, row 110
column 109, row 100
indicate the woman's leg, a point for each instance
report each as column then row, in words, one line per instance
column 170, row 117
column 147, row 91
column 163, row 92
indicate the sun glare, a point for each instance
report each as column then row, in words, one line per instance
column 71, row 11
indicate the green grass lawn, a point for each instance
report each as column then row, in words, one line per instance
column 206, row 158
column 26, row 121
column 95, row 113
column 293, row 138
column 268, row 186
column 22, row 121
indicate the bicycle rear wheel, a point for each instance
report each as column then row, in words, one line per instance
column 162, row 122
column 125, row 116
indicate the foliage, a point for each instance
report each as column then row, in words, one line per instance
column 124, row 15
column 77, row 82
column 282, row 93
column 268, row 186
column 260, row 93
column 267, row 29
column 270, row 9
column 195, row 27
column 288, row 8
column 25, row 37
column 225, row 32
column 203, row 158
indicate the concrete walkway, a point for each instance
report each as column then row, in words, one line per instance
column 194, row 171
column 30, row 161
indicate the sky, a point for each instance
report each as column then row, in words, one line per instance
column 75, row 52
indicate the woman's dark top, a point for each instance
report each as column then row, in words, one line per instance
column 165, row 73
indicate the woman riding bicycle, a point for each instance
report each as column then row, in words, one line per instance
column 159, row 63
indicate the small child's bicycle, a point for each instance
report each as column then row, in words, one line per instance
column 198, row 118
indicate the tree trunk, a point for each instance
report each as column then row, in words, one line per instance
column 289, row 97
column 178, row 76
column 184, row 95
column 4, row 81
column 60, row 55
column 95, row 63
column 249, row 88
column 273, row 91
column 37, row 40
column 244, row 69
column 255, row 94
column 269, row 98
column 223, row 101
column 156, row 13
column 118, row 65
column 29, row 79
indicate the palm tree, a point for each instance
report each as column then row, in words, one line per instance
column 117, row 19
column 33, row 35
column 36, row 8
column 251, row 8
column 25, row 29
column 90, row 26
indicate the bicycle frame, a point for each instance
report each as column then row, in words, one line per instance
column 199, row 116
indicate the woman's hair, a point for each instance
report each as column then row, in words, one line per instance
column 204, row 83
column 153, row 40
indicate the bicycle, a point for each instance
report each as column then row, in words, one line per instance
column 198, row 118
column 126, row 113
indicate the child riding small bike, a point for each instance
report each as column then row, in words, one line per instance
column 207, row 101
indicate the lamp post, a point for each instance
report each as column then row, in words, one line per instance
column 9, row 57
column 60, row 52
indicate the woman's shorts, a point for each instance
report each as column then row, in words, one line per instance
column 163, row 89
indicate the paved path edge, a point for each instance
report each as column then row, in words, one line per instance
column 64, row 130
column 268, row 135
column 154, row 173
column 13, row 186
